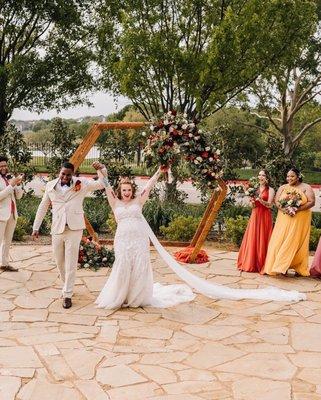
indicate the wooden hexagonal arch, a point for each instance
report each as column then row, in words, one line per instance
column 210, row 213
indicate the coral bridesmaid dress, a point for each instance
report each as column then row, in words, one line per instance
column 289, row 244
column 315, row 269
column 256, row 238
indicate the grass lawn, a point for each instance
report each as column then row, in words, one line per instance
column 312, row 177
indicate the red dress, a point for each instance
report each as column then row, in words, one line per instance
column 255, row 242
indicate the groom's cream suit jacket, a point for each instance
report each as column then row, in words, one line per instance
column 67, row 207
column 8, row 194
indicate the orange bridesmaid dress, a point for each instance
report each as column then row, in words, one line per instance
column 255, row 242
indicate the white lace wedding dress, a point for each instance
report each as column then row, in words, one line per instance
column 130, row 283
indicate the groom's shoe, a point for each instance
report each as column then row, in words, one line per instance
column 66, row 303
column 8, row 268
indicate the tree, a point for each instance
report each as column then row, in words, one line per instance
column 239, row 144
column 195, row 55
column 287, row 98
column 13, row 146
column 62, row 143
column 44, row 55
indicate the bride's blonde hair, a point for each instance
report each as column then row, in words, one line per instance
column 125, row 181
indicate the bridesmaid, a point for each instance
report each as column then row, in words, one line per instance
column 315, row 269
column 257, row 235
column 289, row 244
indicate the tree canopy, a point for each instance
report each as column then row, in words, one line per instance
column 44, row 55
column 195, row 55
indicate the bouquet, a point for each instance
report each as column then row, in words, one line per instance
column 174, row 136
column 291, row 202
column 253, row 187
column 93, row 255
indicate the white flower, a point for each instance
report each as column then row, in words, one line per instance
column 197, row 137
column 200, row 131
column 184, row 126
column 86, row 265
column 211, row 159
column 81, row 248
column 104, row 259
column 200, row 159
column 204, row 171
column 218, row 152
column 213, row 173
column 166, row 122
column 152, row 127
column 196, row 162
column 185, row 115
column 207, row 148
column 192, row 125
column 190, row 135
column 144, row 134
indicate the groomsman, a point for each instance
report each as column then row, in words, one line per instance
column 9, row 192
column 65, row 196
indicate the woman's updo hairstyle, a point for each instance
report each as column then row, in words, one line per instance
column 125, row 181
column 297, row 173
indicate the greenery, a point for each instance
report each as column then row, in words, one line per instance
column 97, row 211
column 45, row 55
column 194, row 56
column 159, row 213
column 62, row 145
column 21, row 229
column 93, row 255
column 180, row 228
column 27, row 208
column 314, row 237
column 15, row 148
column 235, row 229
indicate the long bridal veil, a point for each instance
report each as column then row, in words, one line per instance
column 217, row 291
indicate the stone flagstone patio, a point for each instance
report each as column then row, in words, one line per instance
column 207, row 349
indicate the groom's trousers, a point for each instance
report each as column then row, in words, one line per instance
column 65, row 251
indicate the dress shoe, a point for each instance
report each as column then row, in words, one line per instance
column 67, row 302
column 8, row 268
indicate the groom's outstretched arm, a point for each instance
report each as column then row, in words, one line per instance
column 41, row 212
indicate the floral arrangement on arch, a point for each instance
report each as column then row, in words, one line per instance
column 93, row 255
column 172, row 136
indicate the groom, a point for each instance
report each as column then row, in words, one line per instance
column 65, row 195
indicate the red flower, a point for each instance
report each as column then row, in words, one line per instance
column 174, row 112
column 204, row 154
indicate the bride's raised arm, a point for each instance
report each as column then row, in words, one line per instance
column 143, row 197
column 103, row 177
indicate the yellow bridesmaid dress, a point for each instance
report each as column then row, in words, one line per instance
column 289, row 243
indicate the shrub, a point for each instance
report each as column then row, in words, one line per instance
column 158, row 213
column 316, row 219
column 27, row 207
column 97, row 211
column 314, row 237
column 21, row 229
column 93, row 255
column 235, row 229
column 180, row 228
column 111, row 224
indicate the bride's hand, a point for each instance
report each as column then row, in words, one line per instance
column 164, row 168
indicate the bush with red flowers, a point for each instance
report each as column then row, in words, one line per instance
column 174, row 136
column 93, row 255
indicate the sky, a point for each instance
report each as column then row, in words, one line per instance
column 103, row 104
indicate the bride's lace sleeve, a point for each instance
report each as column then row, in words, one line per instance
column 149, row 186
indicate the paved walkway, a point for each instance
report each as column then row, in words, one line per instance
column 224, row 350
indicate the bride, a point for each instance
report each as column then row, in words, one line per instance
column 130, row 283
